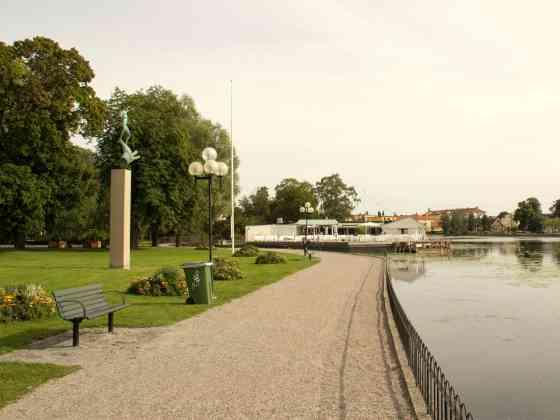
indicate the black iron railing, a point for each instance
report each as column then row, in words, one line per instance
column 441, row 399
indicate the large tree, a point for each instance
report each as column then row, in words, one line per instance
column 45, row 99
column 256, row 208
column 159, row 122
column 71, row 215
column 290, row 195
column 336, row 199
column 22, row 201
column 168, row 133
column 555, row 208
column 529, row 215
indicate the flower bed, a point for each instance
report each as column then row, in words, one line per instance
column 168, row 281
column 226, row 269
column 270, row 258
column 247, row 251
column 25, row 302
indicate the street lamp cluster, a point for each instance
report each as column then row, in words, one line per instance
column 207, row 171
column 307, row 210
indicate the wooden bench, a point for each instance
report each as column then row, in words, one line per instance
column 87, row 302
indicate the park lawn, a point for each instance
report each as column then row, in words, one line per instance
column 59, row 269
column 21, row 378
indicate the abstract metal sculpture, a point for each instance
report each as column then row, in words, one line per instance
column 128, row 155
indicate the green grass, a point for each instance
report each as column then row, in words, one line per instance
column 20, row 378
column 59, row 269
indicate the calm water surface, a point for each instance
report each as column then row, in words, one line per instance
column 490, row 314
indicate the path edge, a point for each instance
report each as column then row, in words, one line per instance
column 414, row 395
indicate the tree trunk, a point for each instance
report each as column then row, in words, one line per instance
column 154, row 234
column 135, row 234
column 20, row 240
column 178, row 237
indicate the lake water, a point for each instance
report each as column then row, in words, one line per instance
column 490, row 314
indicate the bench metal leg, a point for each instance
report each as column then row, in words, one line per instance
column 110, row 322
column 76, row 332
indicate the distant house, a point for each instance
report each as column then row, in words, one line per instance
column 434, row 216
column 504, row 223
column 420, row 218
column 407, row 226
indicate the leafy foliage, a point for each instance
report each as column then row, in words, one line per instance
column 291, row 194
column 270, row 258
column 23, row 198
column 247, row 251
column 552, row 225
column 461, row 223
column 529, row 215
column 227, row 269
column 26, row 302
column 45, row 99
column 256, row 208
column 168, row 281
column 555, row 208
column 169, row 134
column 337, row 200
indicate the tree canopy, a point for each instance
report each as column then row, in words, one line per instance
column 330, row 197
column 529, row 215
column 290, row 195
column 336, row 199
column 169, row 134
column 45, row 99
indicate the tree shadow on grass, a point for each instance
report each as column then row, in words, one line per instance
column 28, row 338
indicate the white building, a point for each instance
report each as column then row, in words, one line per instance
column 406, row 228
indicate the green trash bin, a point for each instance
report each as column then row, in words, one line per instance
column 199, row 282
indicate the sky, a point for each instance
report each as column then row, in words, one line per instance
column 432, row 104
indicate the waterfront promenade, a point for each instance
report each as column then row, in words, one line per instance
column 313, row 345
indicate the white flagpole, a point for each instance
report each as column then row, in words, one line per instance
column 232, row 228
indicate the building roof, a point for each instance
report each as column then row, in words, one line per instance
column 355, row 224
column 461, row 210
column 317, row 222
column 408, row 223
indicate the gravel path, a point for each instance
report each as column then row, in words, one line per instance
column 313, row 345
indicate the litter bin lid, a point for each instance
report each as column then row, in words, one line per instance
column 197, row 264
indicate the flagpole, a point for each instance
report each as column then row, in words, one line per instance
column 232, row 227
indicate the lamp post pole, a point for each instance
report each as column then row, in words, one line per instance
column 305, row 227
column 210, row 217
column 207, row 171
column 307, row 210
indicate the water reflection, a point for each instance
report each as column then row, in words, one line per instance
column 407, row 269
column 495, row 342
column 530, row 255
column 471, row 251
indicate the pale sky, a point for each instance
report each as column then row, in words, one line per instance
column 418, row 104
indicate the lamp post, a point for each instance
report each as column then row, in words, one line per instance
column 307, row 210
column 207, row 171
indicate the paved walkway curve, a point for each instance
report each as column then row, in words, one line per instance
column 313, row 345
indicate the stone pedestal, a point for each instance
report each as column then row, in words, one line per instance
column 120, row 218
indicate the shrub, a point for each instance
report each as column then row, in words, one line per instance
column 247, row 251
column 225, row 269
column 25, row 302
column 168, row 281
column 270, row 258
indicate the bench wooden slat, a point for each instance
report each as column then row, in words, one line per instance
column 80, row 296
column 77, row 311
column 77, row 290
column 86, row 303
